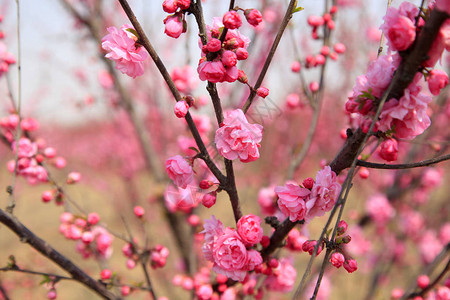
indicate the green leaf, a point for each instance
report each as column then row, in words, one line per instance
column 297, row 9
column 45, row 280
column 194, row 149
column 133, row 32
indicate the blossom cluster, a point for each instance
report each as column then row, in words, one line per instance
column 406, row 117
column 175, row 24
column 219, row 59
column 92, row 240
column 312, row 199
column 230, row 249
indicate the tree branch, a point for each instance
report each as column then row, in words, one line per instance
column 423, row 163
column 45, row 249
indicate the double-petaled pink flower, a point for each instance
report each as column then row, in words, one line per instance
column 292, row 201
column 325, row 192
column 179, row 170
column 122, row 48
column 237, row 138
column 249, row 229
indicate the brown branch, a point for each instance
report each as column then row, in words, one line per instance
column 45, row 249
column 284, row 23
column 55, row 276
column 423, row 163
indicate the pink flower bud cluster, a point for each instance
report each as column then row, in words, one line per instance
column 326, row 20
column 92, row 240
column 29, row 161
column 218, row 62
column 122, row 48
column 201, row 283
column 6, row 59
column 313, row 199
column 175, row 24
column 230, row 249
column 236, row 138
column 158, row 256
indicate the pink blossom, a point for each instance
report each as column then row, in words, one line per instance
column 213, row 71
column 254, row 259
column 237, row 138
column 389, row 150
column 93, row 218
column 27, row 149
column 230, row 255
column 232, row 20
column 399, row 26
column 212, row 229
column 267, row 200
column 432, row 177
column 138, row 211
column 105, row 274
column 204, row 292
column 249, row 229
column 174, row 25
column 177, row 198
column 429, row 246
column 241, row 54
column 293, row 201
column 295, row 240
column 337, row 259
column 437, row 80
column 214, row 45
column 122, row 48
column 180, row 109
column 231, row 74
column 209, row 199
column 183, row 4
column 339, row 48
column 253, row 16
column 179, row 170
column 379, row 74
column 408, row 116
column 284, row 277
column 324, row 193
column 184, row 79
column 379, row 209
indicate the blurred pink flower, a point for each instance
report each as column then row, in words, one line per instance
column 283, row 277
column 437, row 80
column 179, row 170
column 237, row 138
column 122, row 48
column 379, row 209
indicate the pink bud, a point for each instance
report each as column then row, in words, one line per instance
column 265, row 241
column 253, row 16
column 333, row 56
column 184, row 4
column 87, row 237
column 80, row 222
column 364, row 173
column 437, row 80
column 131, row 264
column 325, row 50
column 214, row 45
column 309, row 245
column 342, row 227
column 47, row 196
column 73, row 177
column 60, row 162
column 262, row 92
column 205, row 184
column 331, row 25
column 339, row 48
column 220, row 278
column 187, row 284
column 242, row 77
column 314, row 86
column 93, row 218
column 423, row 281
column 350, row 265
column 51, row 294
column 232, row 20
column 105, row 274
column 139, row 211
column 66, row 217
column 209, row 199
column 333, row 9
column 273, row 263
column 50, row 152
column 396, row 294
column 181, row 109
column 229, row 59
column 389, row 150
column 308, row 183
column 241, row 54
column 174, row 25
column 320, row 59
column 125, row 290
column 315, row 21
column 296, row 66
column 193, row 220
column 293, row 101
column 170, row 6
column 337, row 259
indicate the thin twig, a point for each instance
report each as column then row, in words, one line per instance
column 423, row 163
column 284, row 23
column 55, row 276
column 48, row 251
